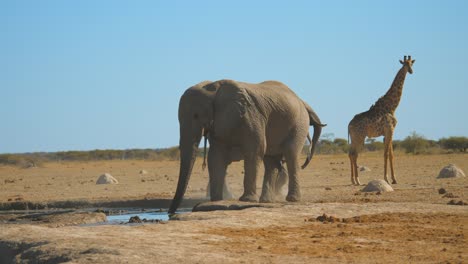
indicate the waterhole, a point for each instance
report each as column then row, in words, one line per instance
column 146, row 215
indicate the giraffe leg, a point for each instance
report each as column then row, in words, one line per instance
column 353, row 156
column 351, row 161
column 386, row 152
column 356, row 175
column 390, row 155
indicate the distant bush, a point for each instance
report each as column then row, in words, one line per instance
column 454, row 143
column 22, row 160
column 396, row 144
column 342, row 144
column 374, row 145
column 171, row 153
column 27, row 160
column 415, row 144
column 326, row 146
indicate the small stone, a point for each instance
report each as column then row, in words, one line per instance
column 364, row 168
column 450, row 195
column 442, row 191
column 453, row 202
column 135, row 219
column 328, row 219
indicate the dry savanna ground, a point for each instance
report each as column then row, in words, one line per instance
column 415, row 223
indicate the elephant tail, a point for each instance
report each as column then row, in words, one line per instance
column 315, row 122
column 309, row 152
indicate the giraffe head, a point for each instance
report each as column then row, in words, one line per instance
column 408, row 63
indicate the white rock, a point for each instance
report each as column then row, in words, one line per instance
column 451, row 171
column 364, row 168
column 106, row 178
column 378, row 186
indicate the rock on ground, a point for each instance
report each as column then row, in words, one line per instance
column 451, row 171
column 106, row 178
column 228, row 205
column 364, row 168
column 378, row 186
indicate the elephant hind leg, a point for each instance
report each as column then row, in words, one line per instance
column 282, row 180
column 272, row 168
column 292, row 158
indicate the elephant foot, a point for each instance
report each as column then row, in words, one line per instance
column 394, row 182
column 248, row 198
column 293, row 197
column 267, row 199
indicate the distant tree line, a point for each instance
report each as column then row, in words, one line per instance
column 34, row 159
column 414, row 143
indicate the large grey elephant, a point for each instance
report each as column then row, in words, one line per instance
column 256, row 122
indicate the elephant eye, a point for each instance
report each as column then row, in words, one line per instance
column 195, row 116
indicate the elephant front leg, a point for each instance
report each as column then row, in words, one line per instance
column 270, row 179
column 217, row 166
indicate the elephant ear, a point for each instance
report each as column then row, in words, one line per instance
column 231, row 104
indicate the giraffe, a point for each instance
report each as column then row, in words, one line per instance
column 379, row 120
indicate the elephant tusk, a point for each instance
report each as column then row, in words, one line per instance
column 204, row 151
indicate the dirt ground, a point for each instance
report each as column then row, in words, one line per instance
column 414, row 224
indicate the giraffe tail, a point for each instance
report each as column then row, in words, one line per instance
column 348, row 136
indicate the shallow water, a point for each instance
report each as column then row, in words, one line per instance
column 119, row 218
column 113, row 215
column 124, row 215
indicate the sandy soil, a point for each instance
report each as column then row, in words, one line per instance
column 414, row 223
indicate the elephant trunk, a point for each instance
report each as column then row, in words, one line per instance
column 188, row 154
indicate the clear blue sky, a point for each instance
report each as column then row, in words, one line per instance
column 82, row 75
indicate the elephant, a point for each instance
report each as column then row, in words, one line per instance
column 255, row 122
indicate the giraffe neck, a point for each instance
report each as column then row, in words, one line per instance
column 389, row 102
